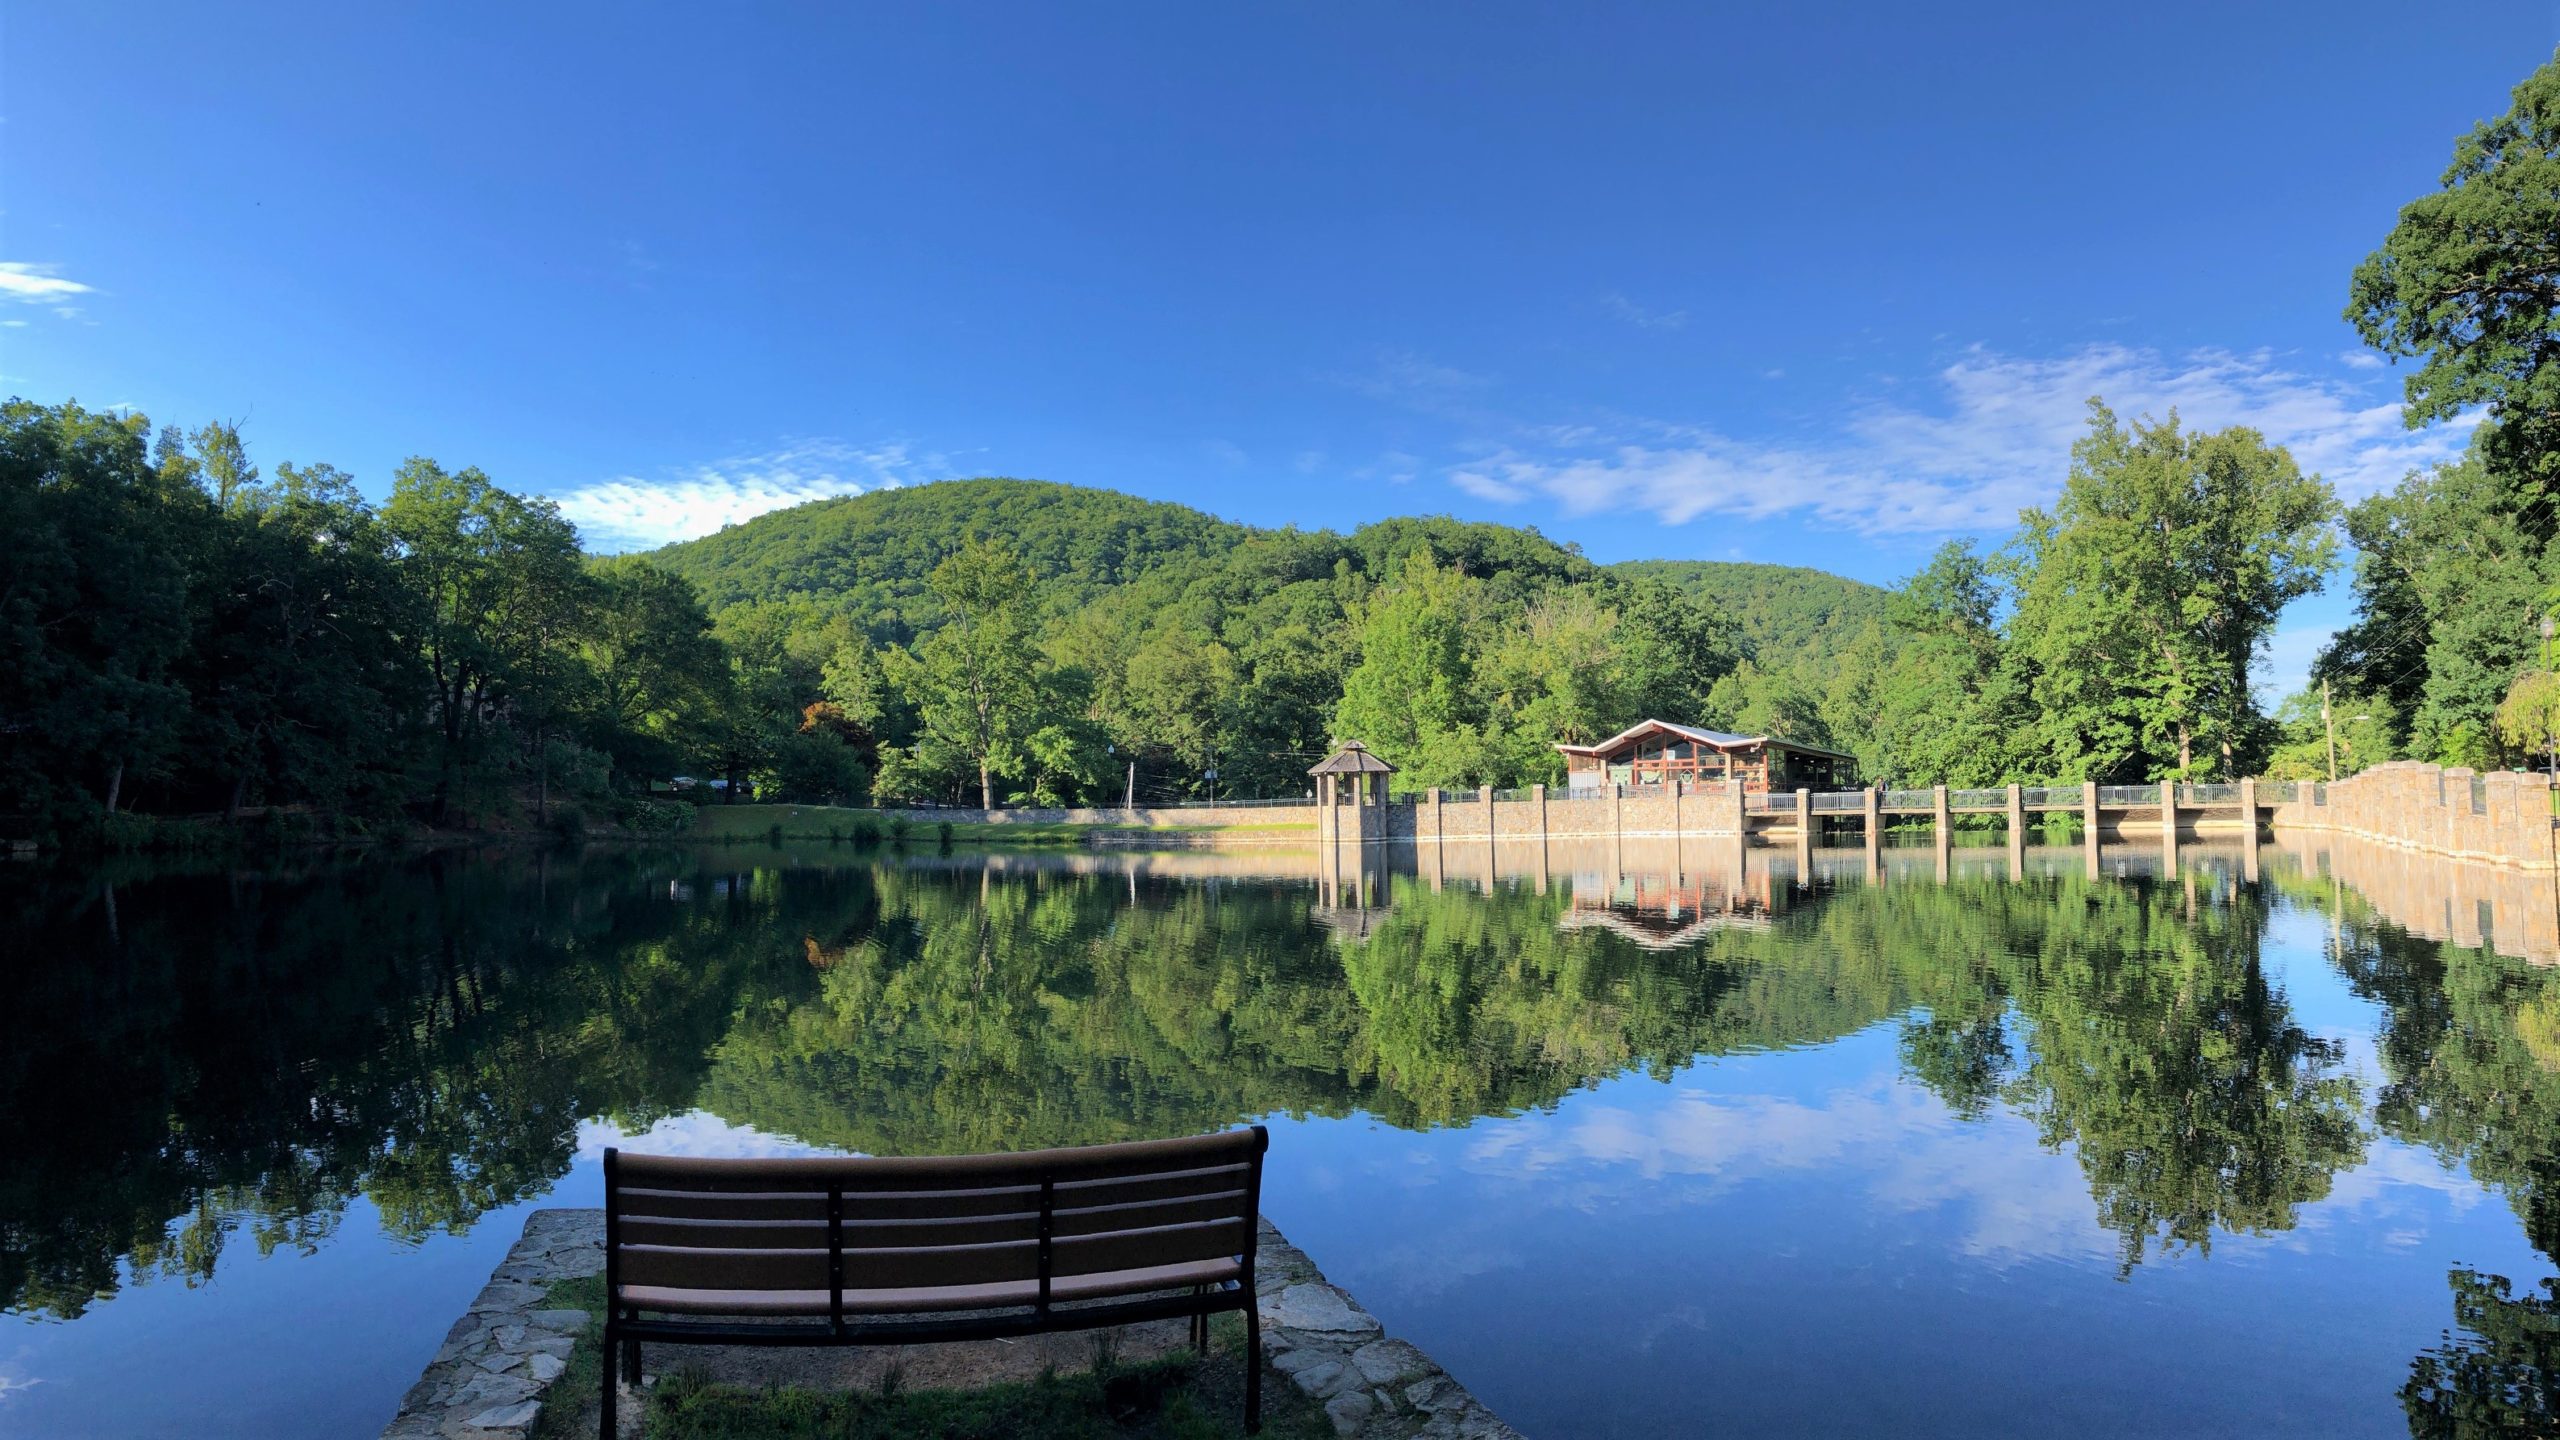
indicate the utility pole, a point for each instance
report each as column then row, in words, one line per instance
column 2331, row 725
column 1132, row 802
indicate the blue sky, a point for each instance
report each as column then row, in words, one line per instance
column 1718, row 282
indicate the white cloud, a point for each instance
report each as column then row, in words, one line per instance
column 631, row 513
column 2360, row 360
column 697, row 1134
column 1636, row 315
column 26, row 283
column 1993, row 435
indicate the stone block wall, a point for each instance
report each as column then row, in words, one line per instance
column 2505, row 819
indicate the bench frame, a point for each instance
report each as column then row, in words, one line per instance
column 625, row 1329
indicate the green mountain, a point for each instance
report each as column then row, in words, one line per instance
column 869, row 554
column 1782, row 612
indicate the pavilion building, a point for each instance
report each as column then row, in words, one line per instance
column 1657, row 752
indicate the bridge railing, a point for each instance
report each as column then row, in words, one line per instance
column 1839, row 801
column 2048, row 796
column 1978, row 799
column 2189, row 794
column 2128, row 794
column 1910, row 799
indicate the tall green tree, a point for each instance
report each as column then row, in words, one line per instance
column 94, row 580
column 2146, row 593
column 499, row 580
column 975, row 678
column 2468, row 283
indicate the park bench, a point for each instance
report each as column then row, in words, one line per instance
column 858, row 1251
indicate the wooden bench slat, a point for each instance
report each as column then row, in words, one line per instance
column 720, row 1233
column 925, row 1299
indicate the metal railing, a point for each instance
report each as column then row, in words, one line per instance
column 2479, row 795
column 1765, row 802
column 2048, row 796
column 1835, row 802
column 2217, row 794
column 2319, row 792
column 2279, row 792
column 2128, row 794
column 1910, row 799
column 1978, row 799
column 1515, row 794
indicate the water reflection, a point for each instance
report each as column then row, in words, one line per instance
column 249, row 1053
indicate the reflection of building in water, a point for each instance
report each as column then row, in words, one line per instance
column 1664, row 912
column 1351, row 898
column 2513, row 912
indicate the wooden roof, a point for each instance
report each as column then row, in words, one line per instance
column 1716, row 739
column 1353, row 759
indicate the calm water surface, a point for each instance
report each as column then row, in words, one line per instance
column 1637, row 1143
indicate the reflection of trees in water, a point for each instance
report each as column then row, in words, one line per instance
column 2472, row 1072
column 249, row 1054
column 241, row 1055
column 2131, row 1021
column 2498, row 1373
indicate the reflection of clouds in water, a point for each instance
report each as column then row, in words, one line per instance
column 2404, row 1186
column 697, row 1133
column 2019, row 1200
column 14, row 1378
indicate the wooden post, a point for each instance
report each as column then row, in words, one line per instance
column 1539, row 794
column 2168, row 829
column 2017, row 833
column 2089, row 824
column 2249, row 830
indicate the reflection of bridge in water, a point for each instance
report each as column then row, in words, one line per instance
column 1665, row 891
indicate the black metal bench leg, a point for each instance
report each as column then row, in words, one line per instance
column 610, row 1427
column 631, row 1362
column 1252, row 1365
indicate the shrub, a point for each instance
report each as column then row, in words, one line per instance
column 661, row 817
column 569, row 822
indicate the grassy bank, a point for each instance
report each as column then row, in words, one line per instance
column 847, row 824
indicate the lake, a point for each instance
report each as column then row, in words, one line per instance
column 1634, row 1141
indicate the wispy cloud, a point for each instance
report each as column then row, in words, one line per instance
column 25, row 283
column 1637, row 315
column 2360, row 360
column 629, row 512
column 1988, row 434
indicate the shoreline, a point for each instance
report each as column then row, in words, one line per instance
column 492, row 1377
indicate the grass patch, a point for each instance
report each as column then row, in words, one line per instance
column 569, row 1406
column 773, row 824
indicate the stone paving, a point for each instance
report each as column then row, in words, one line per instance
column 488, row 1380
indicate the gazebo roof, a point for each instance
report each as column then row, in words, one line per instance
column 1353, row 759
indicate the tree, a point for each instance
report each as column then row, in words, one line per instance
column 2145, row 594
column 975, row 678
column 657, row 675
column 1410, row 699
column 501, row 588
column 94, row 580
column 1180, row 693
column 2529, row 718
column 2468, row 281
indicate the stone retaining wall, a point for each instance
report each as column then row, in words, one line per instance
column 490, row 1379
column 2501, row 818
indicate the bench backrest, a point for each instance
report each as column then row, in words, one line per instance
column 838, row 1224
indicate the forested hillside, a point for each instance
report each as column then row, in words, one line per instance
column 1781, row 614
column 871, row 552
